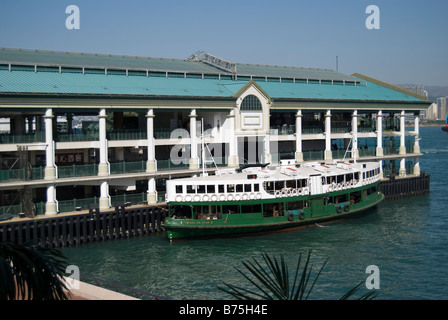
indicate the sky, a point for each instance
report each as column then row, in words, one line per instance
column 410, row 46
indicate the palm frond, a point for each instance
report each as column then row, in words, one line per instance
column 271, row 280
column 31, row 273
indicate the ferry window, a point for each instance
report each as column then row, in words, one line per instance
column 355, row 197
column 201, row 189
column 273, row 209
column 221, row 188
column 349, row 177
column 247, row 188
column 239, row 188
column 179, row 189
column 303, row 183
column 340, row 199
column 191, row 189
column 363, row 175
column 279, row 185
column 340, row 179
column 230, row 188
column 251, row 208
column 230, row 209
column 211, row 189
column 269, row 186
column 256, row 187
column 290, row 183
column 356, row 175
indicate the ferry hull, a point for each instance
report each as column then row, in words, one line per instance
column 255, row 223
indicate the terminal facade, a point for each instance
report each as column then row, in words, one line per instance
column 80, row 129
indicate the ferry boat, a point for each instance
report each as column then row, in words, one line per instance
column 268, row 199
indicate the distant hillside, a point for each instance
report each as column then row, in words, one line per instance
column 435, row 92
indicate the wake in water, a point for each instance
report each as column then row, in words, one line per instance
column 320, row 226
column 434, row 151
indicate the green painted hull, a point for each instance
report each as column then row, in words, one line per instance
column 252, row 223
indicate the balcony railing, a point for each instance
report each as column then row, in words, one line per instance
column 11, row 138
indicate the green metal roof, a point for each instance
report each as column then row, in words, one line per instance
column 100, row 84
column 92, row 60
column 77, row 83
column 104, row 61
column 21, row 72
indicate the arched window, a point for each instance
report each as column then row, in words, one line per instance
column 251, row 103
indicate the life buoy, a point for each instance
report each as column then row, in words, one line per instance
column 347, row 208
column 252, row 196
column 188, row 198
column 259, row 196
column 290, row 217
column 237, row 197
column 294, row 192
column 205, row 198
column 222, row 197
column 245, row 196
column 178, row 198
column 301, row 215
column 214, row 197
column 197, row 198
column 277, row 193
column 230, row 197
column 338, row 209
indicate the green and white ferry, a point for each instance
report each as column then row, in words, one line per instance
column 267, row 199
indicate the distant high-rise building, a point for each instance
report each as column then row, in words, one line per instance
column 419, row 89
column 441, row 108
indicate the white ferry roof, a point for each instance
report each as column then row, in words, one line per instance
column 284, row 172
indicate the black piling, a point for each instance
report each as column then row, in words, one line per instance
column 398, row 188
column 83, row 228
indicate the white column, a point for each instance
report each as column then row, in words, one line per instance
column 299, row 152
column 328, row 153
column 51, row 206
column 402, row 171
column 267, row 149
column 417, row 133
column 402, row 133
column 152, row 192
column 104, row 197
column 355, row 151
column 233, row 146
column 417, row 144
column 50, row 168
column 103, row 167
column 194, row 159
column 151, row 164
column 379, row 134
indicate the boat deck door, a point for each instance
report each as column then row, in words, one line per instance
column 316, row 184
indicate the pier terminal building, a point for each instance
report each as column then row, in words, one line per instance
column 81, row 129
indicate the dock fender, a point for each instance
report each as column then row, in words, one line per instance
column 338, row 209
column 347, row 207
column 301, row 214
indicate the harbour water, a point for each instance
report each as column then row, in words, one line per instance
column 406, row 239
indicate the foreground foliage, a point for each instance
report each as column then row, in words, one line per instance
column 272, row 281
column 28, row 273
